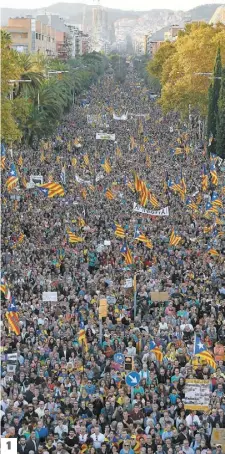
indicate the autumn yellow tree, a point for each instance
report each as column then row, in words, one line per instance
column 176, row 65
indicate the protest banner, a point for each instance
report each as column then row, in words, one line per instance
column 197, row 394
column 159, row 296
column 80, row 180
column 104, row 136
column 142, row 210
column 120, row 118
column 49, row 296
column 218, row 438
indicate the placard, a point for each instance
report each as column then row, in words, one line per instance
column 36, row 179
column 159, row 296
column 102, row 136
column 107, row 242
column 49, row 296
column 128, row 283
column 218, row 438
column 197, row 394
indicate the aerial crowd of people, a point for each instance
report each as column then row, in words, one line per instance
column 138, row 229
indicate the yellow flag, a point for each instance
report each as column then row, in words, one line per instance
column 69, row 146
column 74, row 162
column 20, row 161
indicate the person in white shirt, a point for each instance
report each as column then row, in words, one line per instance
column 83, row 435
column 61, row 429
column 163, row 325
column 192, row 419
column 41, row 409
column 97, row 438
column 131, row 351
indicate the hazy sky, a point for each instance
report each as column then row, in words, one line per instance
column 121, row 4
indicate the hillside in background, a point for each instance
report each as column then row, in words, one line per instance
column 143, row 22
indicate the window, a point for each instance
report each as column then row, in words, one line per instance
column 36, row 35
column 39, row 36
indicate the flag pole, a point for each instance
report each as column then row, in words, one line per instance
column 135, row 295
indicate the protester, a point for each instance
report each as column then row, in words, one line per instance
column 70, row 396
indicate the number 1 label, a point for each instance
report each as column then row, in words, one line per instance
column 8, row 446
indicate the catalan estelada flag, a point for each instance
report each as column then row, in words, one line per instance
column 12, row 179
column 137, row 183
column 213, row 174
column 215, row 200
column 12, row 316
column 106, row 165
column 174, row 239
column 3, row 157
column 51, row 189
column 148, row 161
column 211, row 209
column 118, row 230
column 153, row 200
column 20, row 161
column 73, row 238
column 118, row 152
column 74, row 162
column 205, row 179
column 142, row 238
column 82, row 339
column 191, row 204
column 201, row 351
column 156, row 350
column 143, row 194
column 125, row 251
column 109, row 194
column 212, row 251
column 81, row 222
column 86, row 160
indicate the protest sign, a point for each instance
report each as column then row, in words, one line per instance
column 35, row 179
column 111, row 299
column 107, row 242
column 197, row 394
column 104, row 136
column 121, row 118
column 218, row 438
column 49, row 296
column 159, row 296
column 128, row 283
column 80, row 180
column 142, row 210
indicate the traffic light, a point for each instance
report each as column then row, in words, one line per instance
column 129, row 363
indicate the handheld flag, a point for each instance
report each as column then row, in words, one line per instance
column 12, row 179
column 156, row 350
column 125, row 251
column 216, row 201
column 205, row 180
column 86, row 160
column 106, row 165
column 142, row 238
column 51, row 189
column 20, row 161
column 109, row 194
column 13, row 317
column 119, row 231
column 213, row 174
column 201, row 351
column 74, row 238
column 3, row 157
column 174, row 239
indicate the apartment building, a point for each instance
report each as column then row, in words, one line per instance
column 30, row 35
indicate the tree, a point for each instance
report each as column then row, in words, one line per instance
column 220, row 130
column 178, row 64
column 214, row 92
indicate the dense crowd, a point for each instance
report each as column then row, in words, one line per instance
column 65, row 396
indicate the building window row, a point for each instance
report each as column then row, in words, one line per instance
column 41, row 37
